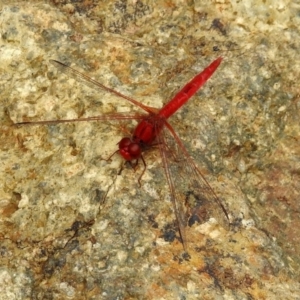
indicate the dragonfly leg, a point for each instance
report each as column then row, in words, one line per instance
column 109, row 158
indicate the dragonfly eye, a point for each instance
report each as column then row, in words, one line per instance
column 124, row 143
column 135, row 150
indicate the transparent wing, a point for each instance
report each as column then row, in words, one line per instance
column 90, row 82
column 81, row 77
column 192, row 197
column 106, row 117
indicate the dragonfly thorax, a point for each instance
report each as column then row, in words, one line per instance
column 147, row 130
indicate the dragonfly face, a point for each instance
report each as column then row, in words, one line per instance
column 129, row 149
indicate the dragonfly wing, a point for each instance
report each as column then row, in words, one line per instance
column 193, row 198
column 92, row 83
column 106, row 117
column 170, row 167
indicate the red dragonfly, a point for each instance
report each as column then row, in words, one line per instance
column 192, row 197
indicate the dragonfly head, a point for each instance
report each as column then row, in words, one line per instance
column 129, row 149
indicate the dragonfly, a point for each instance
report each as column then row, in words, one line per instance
column 192, row 197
